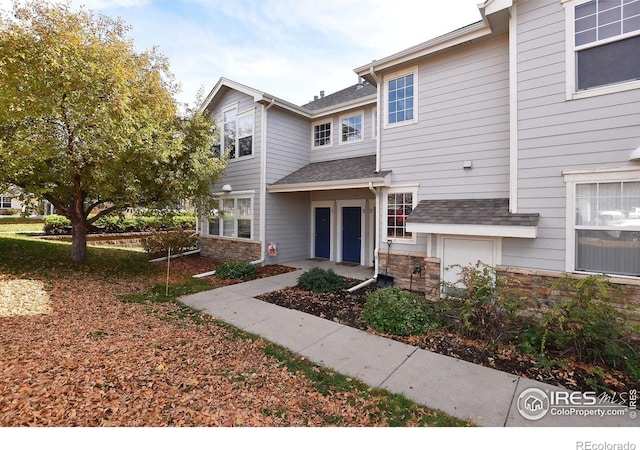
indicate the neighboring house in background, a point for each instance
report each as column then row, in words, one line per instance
column 10, row 204
column 514, row 141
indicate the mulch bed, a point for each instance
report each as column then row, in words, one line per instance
column 345, row 308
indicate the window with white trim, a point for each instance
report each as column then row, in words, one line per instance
column 351, row 128
column 233, row 218
column 237, row 133
column 5, row 201
column 603, row 37
column 399, row 206
column 322, row 134
column 400, row 99
column 607, row 227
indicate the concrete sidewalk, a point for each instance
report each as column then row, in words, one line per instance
column 486, row 396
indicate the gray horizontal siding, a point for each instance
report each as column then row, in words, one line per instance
column 339, row 150
column 556, row 135
column 243, row 174
column 288, row 138
column 288, row 222
column 463, row 114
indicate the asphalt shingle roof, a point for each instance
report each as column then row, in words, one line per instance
column 471, row 212
column 362, row 167
column 343, row 96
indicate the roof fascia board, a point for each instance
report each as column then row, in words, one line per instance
column 326, row 185
column 258, row 96
column 528, row 232
column 468, row 33
column 364, row 101
column 494, row 6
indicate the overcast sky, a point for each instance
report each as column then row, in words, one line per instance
column 289, row 48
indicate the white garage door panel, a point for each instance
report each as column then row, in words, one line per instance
column 465, row 252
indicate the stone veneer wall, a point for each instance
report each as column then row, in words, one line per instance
column 401, row 265
column 538, row 284
column 229, row 249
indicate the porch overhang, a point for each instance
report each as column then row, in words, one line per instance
column 329, row 185
column 472, row 217
column 348, row 173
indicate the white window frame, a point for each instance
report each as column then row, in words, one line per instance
column 572, row 178
column 239, row 115
column 390, row 77
column 236, row 216
column 384, row 236
column 3, row 201
column 571, row 54
column 347, row 117
column 313, row 133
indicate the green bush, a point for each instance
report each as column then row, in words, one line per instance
column 320, row 280
column 237, row 271
column 397, row 312
column 478, row 305
column 587, row 324
column 55, row 224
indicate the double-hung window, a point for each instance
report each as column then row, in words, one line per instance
column 233, row 218
column 5, row 202
column 605, row 234
column 237, row 133
column 322, row 134
column 400, row 96
column 603, row 46
column 351, row 128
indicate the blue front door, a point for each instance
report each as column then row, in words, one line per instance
column 323, row 233
column 351, row 233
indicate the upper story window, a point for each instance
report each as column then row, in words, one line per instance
column 351, row 128
column 322, row 134
column 401, row 92
column 237, row 128
column 603, row 45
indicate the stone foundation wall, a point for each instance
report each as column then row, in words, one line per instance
column 115, row 239
column 400, row 265
column 537, row 285
column 229, row 249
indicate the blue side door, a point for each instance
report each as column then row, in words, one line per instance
column 323, row 233
column 351, row 233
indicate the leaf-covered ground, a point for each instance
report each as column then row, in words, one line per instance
column 74, row 353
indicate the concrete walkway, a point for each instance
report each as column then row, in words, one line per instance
column 486, row 396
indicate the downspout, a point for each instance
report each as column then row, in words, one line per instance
column 263, row 185
column 376, row 250
column 379, row 115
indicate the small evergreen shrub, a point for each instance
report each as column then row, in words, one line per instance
column 237, row 271
column 56, row 224
column 397, row 312
column 320, row 280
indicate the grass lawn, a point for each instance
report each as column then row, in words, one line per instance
column 105, row 345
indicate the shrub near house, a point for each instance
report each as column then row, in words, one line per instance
column 55, row 224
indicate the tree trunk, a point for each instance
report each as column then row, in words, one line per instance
column 79, row 243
